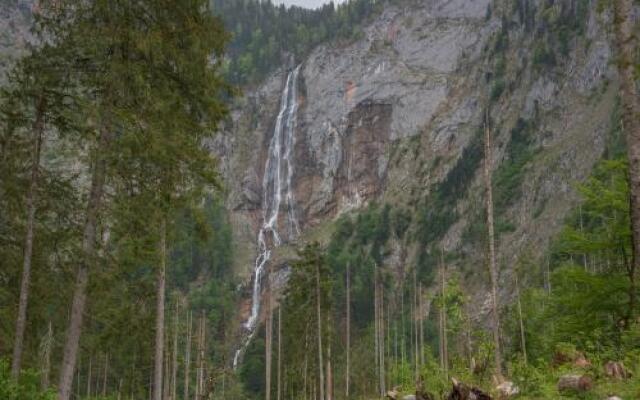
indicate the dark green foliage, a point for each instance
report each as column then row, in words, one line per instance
column 437, row 212
column 202, row 244
column 496, row 90
column 587, row 301
column 558, row 23
column 253, row 366
column 543, row 56
column 507, row 179
column 28, row 388
column 265, row 35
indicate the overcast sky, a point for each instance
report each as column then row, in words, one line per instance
column 305, row 3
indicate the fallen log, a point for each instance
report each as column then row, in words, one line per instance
column 423, row 395
column 576, row 383
column 460, row 391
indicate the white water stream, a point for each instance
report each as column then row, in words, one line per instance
column 276, row 186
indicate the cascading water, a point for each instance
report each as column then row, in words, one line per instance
column 276, row 183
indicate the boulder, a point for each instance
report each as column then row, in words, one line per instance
column 576, row 383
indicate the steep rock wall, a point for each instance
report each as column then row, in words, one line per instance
column 393, row 115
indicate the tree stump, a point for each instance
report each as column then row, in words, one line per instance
column 506, row 390
column 576, row 383
column 392, row 394
column 616, row 370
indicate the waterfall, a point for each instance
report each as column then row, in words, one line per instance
column 276, row 185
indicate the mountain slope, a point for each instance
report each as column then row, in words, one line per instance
column 395, row 118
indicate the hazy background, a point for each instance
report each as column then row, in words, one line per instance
column 306, row 3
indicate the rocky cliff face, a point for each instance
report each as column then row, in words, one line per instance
column 393, row 115
column 15, row 19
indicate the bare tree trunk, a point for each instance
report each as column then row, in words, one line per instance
column 415, row 325
column 319, row 315
column 306, row 363
column 421, row 313
column 523, row 341
column 160, row 294
column 198, row 357
column 495, row 320
column 403, row 347
column 329, row 390
column 468, row 340
column 348, row 307
column 89, row 379
column 45, row 357
column 166, row 380
column 268, row 337
column 94, row 203
column 21, row 321
column 106, row 375
column 79, row 384
column 174, row 361
column 441, row 332
column 376, row 326
column 187, row 356
column 279, row 385
column 445, row 344
column 203, row 338
column 387, row 357
column 627, row 45
column 382, row 338
column 584, row 255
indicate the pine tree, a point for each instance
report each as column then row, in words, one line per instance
column 160, row 93
column 626, row 42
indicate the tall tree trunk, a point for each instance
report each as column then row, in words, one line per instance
column 79, row 384
column 279, row 373
column 198, row 357
column 89, row 378
column 94, row 203
column 403, row 347
column 106, row 375
column 420, row 316
column 160, row 294
column 348, row 309
column 445, row 342
column 415, row 325
column 174, row 361
column 523, row 342
column 203, row 338
column 627, row 45
column 45, row 357
column 319, row 315
column 387, row 357
column 468, row 340
column 187, row 356
column 495, row 318
column 268, row 337
column 381, row 340
column 21, row 321
column 306, row 364
column 376, row 326
column 329, row 390
column 166, row 380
